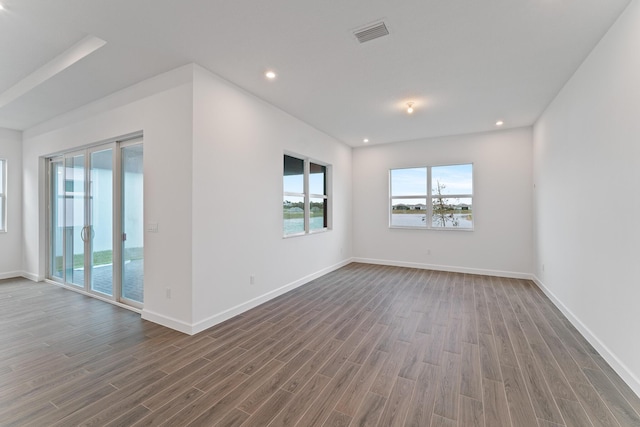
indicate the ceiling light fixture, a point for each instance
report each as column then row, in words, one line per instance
column 270, row 75
column 410, row 107
column 1, row 7
column 365, row 140
column 499, row 123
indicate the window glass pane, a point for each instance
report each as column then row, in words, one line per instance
column 456, row 179
column 409, row 212
column 452, row 213
column 132, row 222
column 293, row 215
column 101, row 211
column 3, row 198
column 409, row 182
column 293, row 177
column 75, row 230
column 57, row 219
column 317, row 179
column 318, row 214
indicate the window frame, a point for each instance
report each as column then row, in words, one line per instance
column 3, row 195
column 307, row 196
column 429, row 198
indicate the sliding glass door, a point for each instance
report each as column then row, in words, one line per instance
column 74, row 217
column 96, row 221
column 99, row 231
column 132, row 224
column 57, row 223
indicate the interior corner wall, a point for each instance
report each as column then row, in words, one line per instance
column 162, row 109
column 239, row 142
column 501, row 243
column 587, row 171
column 11, row 240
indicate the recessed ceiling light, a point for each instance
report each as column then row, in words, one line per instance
column 499, row 123
column 1, row 7
column 410, row 107
column 270, row 75
column 365, row 140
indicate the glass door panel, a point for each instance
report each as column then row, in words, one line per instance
column 56, row 205
column 99, row 231
column 75, row 230
column 132, row 223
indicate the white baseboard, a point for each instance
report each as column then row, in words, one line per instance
column 453, row 269
column 31, row 276
column 615, row 363
column 241, row 308
column 167, row 321
column 202, row 325
column 10, row 274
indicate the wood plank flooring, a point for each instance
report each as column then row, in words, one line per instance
column 365, row 345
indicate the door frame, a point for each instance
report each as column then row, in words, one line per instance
column 118, row 236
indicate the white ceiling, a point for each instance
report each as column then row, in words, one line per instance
column 465, row 63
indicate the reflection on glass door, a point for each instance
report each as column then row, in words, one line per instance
column 75, row 230
column 56, row 203
column 100, row 229
column 132, row 223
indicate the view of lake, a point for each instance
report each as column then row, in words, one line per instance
column 296, row 225
column 418, row 220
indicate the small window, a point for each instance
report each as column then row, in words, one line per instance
column 432, row 197
column 3, row 195
column 305, row 197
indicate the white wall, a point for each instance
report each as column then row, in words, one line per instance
column 213, row 182
column 162, row 108
column 11, row 241
column 587, row 173
column 239, row 142
column 501, row 242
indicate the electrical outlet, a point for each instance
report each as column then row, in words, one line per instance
column 167, row 293
column 428, row 251
column 252, row 280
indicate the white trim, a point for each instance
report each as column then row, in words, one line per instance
column 4, row 175
column 241, row 308
column 616, row 364
column 75, row 53
column 207, row 323
column 31, row 276
column 10, row 274
column 451, row 268
column 167, row 321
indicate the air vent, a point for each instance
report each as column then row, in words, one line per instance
column 372, row 32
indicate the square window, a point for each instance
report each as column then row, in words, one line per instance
column 432, row 197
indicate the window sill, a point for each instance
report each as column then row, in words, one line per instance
column 324, row 230
column 398, row 227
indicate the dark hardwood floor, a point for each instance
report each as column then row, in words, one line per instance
column 364, row 345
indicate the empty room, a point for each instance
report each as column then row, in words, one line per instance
column 358, row 213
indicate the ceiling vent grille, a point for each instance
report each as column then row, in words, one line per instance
column 372, row 32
